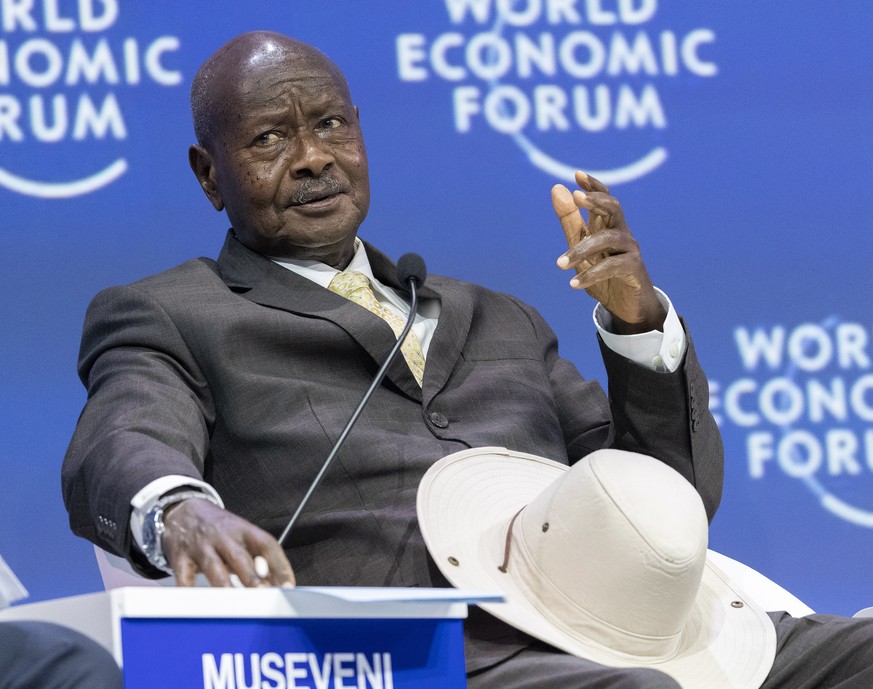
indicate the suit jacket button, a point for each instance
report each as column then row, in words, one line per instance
column 438, row 420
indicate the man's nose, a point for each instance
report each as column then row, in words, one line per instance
column 312, row 156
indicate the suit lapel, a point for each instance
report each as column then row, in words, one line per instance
column 262, row 281
column 457, row 301
column 456, row 317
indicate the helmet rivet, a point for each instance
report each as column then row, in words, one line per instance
column 454, row 561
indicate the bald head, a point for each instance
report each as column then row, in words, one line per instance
column 230, row 68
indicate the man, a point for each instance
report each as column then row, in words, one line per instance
column 227, row 383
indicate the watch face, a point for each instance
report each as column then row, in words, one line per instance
column 152, row 530
column 153, row 527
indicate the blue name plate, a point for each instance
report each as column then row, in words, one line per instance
column 293, row 653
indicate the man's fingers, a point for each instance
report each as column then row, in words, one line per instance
column 202, row 537
column 599, row 205
column 186, row 567
column 235, row 563
column 280, row 572
column 185, row 571
column 604, row 243
column 586, row 181
column 612, row 267
column 215, row 569
column 593, row 274
column 262, row 568
column 255, row 558
column 240, row 561
column 568, row 214
column 271, row 559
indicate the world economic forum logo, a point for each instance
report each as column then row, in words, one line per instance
column 61, row 70
column 804, row 408
column 542, row 71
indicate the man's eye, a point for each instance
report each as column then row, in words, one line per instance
column 331, row 123
column 267, row 138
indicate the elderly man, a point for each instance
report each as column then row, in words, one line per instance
column 217, row 389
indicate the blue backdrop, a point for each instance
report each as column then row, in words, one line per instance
column 738, row 137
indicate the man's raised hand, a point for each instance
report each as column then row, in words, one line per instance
column 605, row 256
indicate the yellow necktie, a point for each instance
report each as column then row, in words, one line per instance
column 355, row 287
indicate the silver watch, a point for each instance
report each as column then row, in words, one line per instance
column 153, row 527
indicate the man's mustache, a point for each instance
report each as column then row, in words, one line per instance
column 314, row 189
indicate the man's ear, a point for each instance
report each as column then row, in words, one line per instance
column 358, row 114
column 201, row 163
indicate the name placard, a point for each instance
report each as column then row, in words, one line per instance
column 293, row 653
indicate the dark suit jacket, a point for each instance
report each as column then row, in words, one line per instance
column 244, row 373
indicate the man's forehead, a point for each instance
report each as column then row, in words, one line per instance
column 271, row 56
column 276, row 69
column 284, row 97
column 255, row 56
column 259, row 70
column 282, row 91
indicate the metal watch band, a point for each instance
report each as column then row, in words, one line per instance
column 154, row 529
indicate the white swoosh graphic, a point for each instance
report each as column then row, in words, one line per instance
column 845, row 511
column 63, row 190
column 618, row 175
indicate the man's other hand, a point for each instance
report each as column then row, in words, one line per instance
column 605, row 256
column 202, row 537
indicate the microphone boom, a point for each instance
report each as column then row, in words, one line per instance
column 413, row 276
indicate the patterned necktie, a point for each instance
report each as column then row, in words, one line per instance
column 355, row 287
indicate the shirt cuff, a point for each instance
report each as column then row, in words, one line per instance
column 656, row 350
column 146, row 498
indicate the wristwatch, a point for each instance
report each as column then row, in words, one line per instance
column 153, row 527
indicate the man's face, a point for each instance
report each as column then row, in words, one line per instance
column 288, row 161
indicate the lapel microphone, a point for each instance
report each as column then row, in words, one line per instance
column 411, row 273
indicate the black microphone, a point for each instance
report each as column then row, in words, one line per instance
column 411, row 267
column 411, row 272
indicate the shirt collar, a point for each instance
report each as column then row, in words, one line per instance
column 322, row 274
